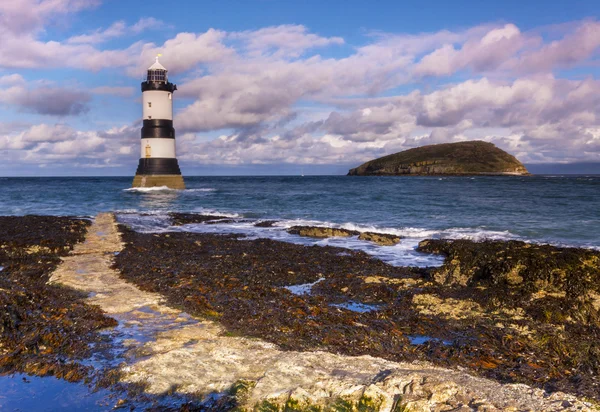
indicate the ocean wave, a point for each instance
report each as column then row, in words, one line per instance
column 214, row 212
column 126, row 211
column 203, row 189
column 408, row 232
column 142, row 212
column 146, row 222
column 402, row 254
column 151, row 189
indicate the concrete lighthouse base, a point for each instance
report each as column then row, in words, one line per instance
column 170, row 181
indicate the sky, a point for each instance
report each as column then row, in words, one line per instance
column 291, row 87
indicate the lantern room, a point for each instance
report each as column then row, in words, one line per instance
column 157, row 73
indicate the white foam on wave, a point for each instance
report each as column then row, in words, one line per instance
column 214, row 212
column 401, row 254
column 156, row 222
column 168, row 189
column 138, row 211
column 150, row 189
column 200, row 189
column 479, row 233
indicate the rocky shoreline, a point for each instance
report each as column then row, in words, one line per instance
column 511, row 312
column 522, row 313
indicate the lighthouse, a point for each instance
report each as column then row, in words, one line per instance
column 158, row 165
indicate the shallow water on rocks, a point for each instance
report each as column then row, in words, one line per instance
column 357, row 307
column 303, row 289
column 20, row 392
column 420, row 340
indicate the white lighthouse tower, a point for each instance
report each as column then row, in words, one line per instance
column 158, row 165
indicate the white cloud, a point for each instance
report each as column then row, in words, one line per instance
column 60, row 144
column 12, row 79
column 117, row 29
column 22, row 16
column 147, row 23
column 46, row 100
column 37, row 134
column 282, row 41
column 539, row 119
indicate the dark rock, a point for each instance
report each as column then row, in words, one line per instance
column 265, row 223
column 179, row 219
column 222, row 221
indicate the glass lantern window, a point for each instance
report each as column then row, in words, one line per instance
column 157, row 76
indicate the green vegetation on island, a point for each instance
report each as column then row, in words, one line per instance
column 462, row 158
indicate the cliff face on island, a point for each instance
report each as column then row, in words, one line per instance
column 463, row 158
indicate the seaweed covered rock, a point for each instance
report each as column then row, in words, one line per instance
column 547, row 295
column 382, row 239
column 532, row 267
column 321, row 232
column 44, row 329
column 343, row 301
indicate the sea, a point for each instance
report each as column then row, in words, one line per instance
column 562, row 210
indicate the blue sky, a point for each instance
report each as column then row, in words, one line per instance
column 277, row 85
column 339, row 17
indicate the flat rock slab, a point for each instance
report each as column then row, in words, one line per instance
column 170, row 349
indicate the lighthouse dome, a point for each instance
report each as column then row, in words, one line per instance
column 157, row 72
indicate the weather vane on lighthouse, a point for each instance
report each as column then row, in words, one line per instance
column 158, row 165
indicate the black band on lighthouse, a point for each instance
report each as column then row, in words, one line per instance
column 158, row 128
column 158, row 166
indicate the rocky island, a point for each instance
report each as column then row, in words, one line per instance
column 462, row 158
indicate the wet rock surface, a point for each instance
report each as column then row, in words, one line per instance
column 266, row 223
column 321, row 232
column 231, row 371
column 44, row 329
column 548, row 296
column 382, row 239
column 179, row 219
column 242, row 284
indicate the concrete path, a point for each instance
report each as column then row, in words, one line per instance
column 168, row 348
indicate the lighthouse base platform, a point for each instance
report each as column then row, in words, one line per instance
column 170, row 181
